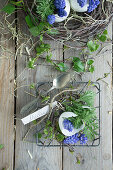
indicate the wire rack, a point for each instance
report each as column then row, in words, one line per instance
column 95, row 86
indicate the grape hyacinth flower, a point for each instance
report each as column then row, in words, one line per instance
column 83, row 139
column 82, row 2
column 59, row 4
column 68, row 125
column 71, row 139
column 51, row 19
column 93, row 4
column 62, row 12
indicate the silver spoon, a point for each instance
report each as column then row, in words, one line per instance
column 61, row 81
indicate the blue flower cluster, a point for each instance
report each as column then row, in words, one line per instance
column 68, row 125
column 60, row 4
column 93, row 4
column 75, row 138
column 83, row 139
column 82, row 2
column 51, row 19
column 62, row 12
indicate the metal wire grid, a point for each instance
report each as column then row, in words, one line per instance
column 95, row 142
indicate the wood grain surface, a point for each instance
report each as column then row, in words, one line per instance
column 43, row 158
column 7, row 67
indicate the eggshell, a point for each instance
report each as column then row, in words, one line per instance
column 76, row 7
column 67, row 9
column 65, row 131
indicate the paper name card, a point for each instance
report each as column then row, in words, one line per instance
column 39, row 113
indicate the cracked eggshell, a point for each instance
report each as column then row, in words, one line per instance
column 67, row 9
column 65, row 131
column 76, row 7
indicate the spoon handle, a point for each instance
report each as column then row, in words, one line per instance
column 50, row 89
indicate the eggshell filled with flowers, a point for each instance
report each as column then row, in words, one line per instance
column 79, row 7
column 68, row 130
column 67, row 11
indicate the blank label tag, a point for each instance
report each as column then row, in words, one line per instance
column 39, row 113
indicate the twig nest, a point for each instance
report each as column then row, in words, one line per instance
column 61, row 125
column 76, row 7
column 67, row 9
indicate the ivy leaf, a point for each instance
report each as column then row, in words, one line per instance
column 29, row 21
column 9, row 9
column 43, row 48
column 61, row 67
column 91, row 68
column 37, row 30
column 1, row 146
column 92, row 46
column 53, row 31
column 45, row 131
column 48, row 58
column 39, row 135
column 32, row 86
column 34, row 122
column 31, row 63
column 90, row 62
column 103, row 36
column 48, row 122
column 78, row 65
column 60, row 137
column 45, row 98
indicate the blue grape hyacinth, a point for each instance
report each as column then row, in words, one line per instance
column 62, row 12
column 75, row 138
column 59, row 4
column 68, row 125
column 93, row 4
column 82, row 2
column 83, row 139
column 51, row 19
column 71, row 139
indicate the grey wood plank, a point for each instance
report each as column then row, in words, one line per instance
column 7, row 66
column 99, row 158
column 43, row 158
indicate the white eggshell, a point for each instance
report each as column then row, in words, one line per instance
column 67, row 9
column 76, row 7
column 65, row 131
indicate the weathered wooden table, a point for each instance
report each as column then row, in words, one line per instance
column 15, row 153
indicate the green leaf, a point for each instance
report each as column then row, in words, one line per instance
column 34, row 31
column 92, row 46
column 45, row 98
column 41, row 37
column 103, row 37
column 78, row 65
column 19, row 3
column 48, row 58
column 53, row 31
column 29, row 21
column 39, row 135
column 1, row 146
column 45, row 131
column 34, row 122
column 48, row 122
column 91, row 68
column 32, row 86
column 43, row 48
column 9, row 9
column 61, row 67
column 31, row 63
column 60, row 137
column 90, row 62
